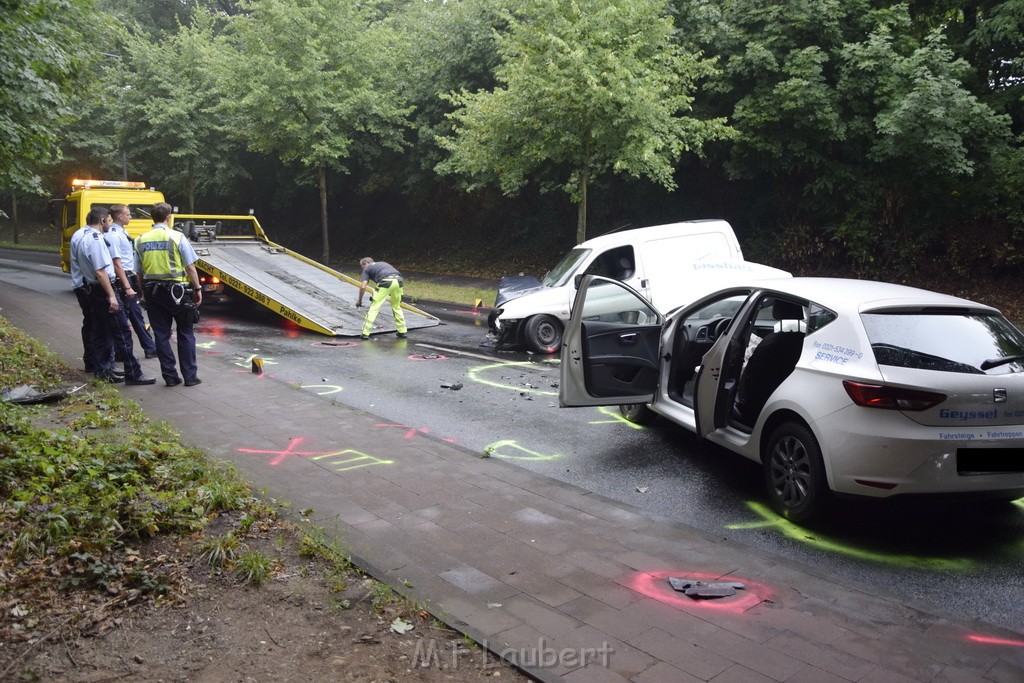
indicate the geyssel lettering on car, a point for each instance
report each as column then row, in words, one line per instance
column 964, row 415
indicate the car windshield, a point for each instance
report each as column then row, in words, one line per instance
column 566, row 268
column 962, row 342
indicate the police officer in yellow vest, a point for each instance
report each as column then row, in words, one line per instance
column 169, row 283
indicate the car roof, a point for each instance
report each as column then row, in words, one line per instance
column 865, row 295
column 654, row 232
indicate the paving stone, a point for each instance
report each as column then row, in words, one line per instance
column 752, row 655
column 541, row 587
column 597, row 649
column 545, row 619
column 812, row 674
column 604, row 618
column 598, row 587
column 471, row 580
column 681, row 653
column 737, row 673
column 821, row 656
column 665, row 673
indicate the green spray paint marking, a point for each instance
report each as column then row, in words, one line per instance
column 527, row 454
column 206, row 345
column 814, row 540
column 617, row 418
column 475, row 374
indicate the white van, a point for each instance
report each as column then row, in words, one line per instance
column 670, row 265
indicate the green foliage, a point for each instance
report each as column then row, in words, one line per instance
column 218, row 551
column 73, row 498
column 24, row 360
column 253, row 567
column 158, row 104
column 584, row 88
column 46, row 48
column 311, row 81
column 447, row 47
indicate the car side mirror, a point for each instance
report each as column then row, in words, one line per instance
column 577, row 280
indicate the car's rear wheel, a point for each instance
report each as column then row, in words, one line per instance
column 542, row 334
column 794, row 473
column 638, row 413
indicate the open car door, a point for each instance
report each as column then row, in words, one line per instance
column 610, row 349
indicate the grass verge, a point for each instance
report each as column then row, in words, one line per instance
column 102, row 509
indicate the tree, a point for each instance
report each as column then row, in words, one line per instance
column 585, row 88
column 448, row 46
column 850, row 118
column 311, row 81
column 45, row 52
column 161, row 107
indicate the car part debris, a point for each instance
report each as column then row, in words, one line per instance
column 25, row 395
column 696, row 588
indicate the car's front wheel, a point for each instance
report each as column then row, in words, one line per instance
column 638, row 413
column 794, row 473
column 542, row 334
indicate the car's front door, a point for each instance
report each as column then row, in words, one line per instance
column 610, row 349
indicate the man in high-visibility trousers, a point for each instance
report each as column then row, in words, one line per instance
column 165, row 267
column 389, row 286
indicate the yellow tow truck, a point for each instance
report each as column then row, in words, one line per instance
column 234, row 250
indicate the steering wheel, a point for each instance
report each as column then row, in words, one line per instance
column 719, row 328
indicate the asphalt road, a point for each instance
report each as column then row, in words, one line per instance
column 449, row 382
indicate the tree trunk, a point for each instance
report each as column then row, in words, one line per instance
column 14, row 214
column 326, row 257
column 581, row 213
column 191, row 185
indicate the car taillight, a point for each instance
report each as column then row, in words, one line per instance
column 891, row 398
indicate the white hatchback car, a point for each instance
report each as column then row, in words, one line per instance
column 847, row 386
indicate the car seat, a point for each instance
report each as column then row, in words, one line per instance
column 771, row 363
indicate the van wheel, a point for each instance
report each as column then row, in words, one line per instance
column 638, row 413
column 542, row 334
column 794, row 473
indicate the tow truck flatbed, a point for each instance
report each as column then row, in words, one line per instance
column 295, row 287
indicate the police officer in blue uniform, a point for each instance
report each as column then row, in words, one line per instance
column 121, row 244
column 93, row 276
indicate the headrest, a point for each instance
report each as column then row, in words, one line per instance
column 787, row 310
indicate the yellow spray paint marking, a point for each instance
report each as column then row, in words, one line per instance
column 476, row 374
column 352, row 463
column 247, row 363
column 616, row 416
column 524, row 453
column 801, row 535
column 322, row 389
column 360, row 459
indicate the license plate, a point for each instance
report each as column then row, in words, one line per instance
column 989, row 460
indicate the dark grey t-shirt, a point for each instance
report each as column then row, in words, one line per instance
column 380, row 270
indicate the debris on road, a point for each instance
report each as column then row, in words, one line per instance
column 696, row 588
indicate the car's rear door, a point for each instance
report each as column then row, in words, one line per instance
column 610, row 349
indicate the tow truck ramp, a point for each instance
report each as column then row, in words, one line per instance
column 289, row 284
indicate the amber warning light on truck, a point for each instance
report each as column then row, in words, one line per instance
column 132, row 184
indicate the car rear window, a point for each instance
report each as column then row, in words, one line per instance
column 964, row 342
